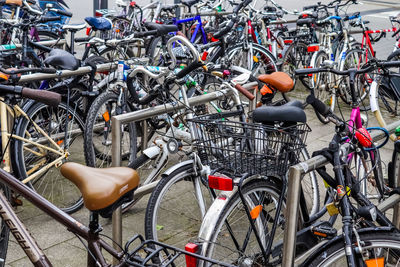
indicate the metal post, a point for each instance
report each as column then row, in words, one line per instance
column 104, row 4
column 178, row 10
column 96, row 5
column 116, row 162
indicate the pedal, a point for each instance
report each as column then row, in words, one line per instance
column 324, row 230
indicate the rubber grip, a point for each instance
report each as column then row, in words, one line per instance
column 308, row 71
column 391, row 64
column 47, row 19
column 82, row 39
column 310, row 7
column 64, row 13
column 244, row 91
column 318, row 105
column 46, row 97
column 225, row 30
column 47, row 70
column 192, row 66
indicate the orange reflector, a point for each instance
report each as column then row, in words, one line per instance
column 3, row 76
column 319, row 234
column 255, row 212
column 190, row 260
column 312, row 48
column 59, row 142
column 220, row 183
column 378, row 262
column 106, row 116
column 255, row 59
column 265, row 90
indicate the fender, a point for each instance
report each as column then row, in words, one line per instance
column 152, row 152
column 177, row 166
column 210, row 220
column 373, row 96
column 383, row 229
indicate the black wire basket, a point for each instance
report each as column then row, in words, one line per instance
column 236, row 148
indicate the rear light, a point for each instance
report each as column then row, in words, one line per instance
column 98, row 14
column 304, row 16
column 159, row 22
column 312, row 48
column 214, row 40
column 132, row 4
column 363, row 137
column 190, row 260
column 220, row 183
column 265, row 90
column 88, row 30
column 204, row 56
column 288, row 41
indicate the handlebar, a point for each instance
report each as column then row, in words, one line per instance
column 47, row 19
column 61, row 12
column 20, row 71
column 46, row 97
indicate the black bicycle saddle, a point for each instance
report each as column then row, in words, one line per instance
column 61, row 59
column 289, row 112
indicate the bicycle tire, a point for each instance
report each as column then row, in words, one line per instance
column 296, row 57
column 100, row 149
column 321, row 85
column 355, row 58
column 51, row 185
column 172, row 214
column 221, row 246
column 260, row 53
column 335, row 251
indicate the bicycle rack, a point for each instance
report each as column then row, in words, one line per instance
column 295, row 175
column 119, row 120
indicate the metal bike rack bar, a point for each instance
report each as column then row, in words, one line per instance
column 139, row 115
column 295, row 175
column 66, row 73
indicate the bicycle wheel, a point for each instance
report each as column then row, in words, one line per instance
column 232, row 239
column 378, row 249
column 296, row 57
column 97, row 138
column 322, row 86
column 355, row 58
column 173, row 215
column 5, row 231
column 256, row 58
column 30, row 159
column 310, row 186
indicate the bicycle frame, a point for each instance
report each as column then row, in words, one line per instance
column 198, row 28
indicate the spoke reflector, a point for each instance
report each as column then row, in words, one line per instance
column 106, row 116
column 378, row 262
column 255, row 212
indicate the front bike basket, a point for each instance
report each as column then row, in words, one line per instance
column 238, row 148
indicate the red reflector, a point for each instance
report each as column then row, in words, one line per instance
column 305, row 16
column 364, row 137
column 214, row 40
column 220, row 183
column 159, row 22
column 288, row 41
column 191, row 261
column 312, row 48
column 88, row 29
column 132, row 4
column 204, row 56
column 98, row 14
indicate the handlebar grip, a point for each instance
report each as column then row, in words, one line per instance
column 192, row 66
column 64, row 12
column 243, row 90
column 82, row 39
column 318, row 105
column 47, row 19
column 394, row 34
column 310, row 7
column 391, row 64
column 46, row 97
column 308, row 71
column 144, row 34
column 225, row 30
column 48, row 70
